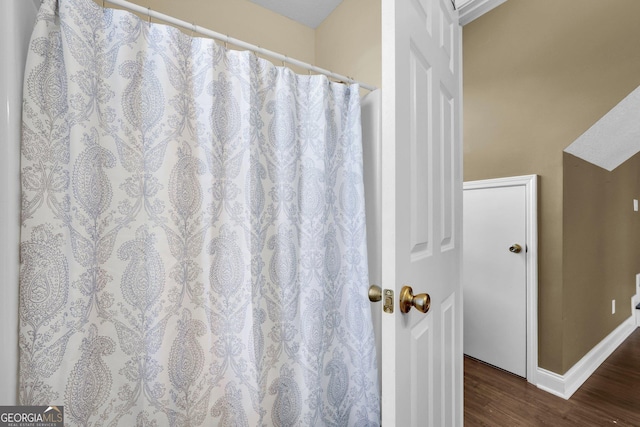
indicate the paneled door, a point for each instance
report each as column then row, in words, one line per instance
column 421, row 213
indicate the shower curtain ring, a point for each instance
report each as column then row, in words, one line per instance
column 193, row 29
column 149, row 16
column 284, row 61
column 226, row 42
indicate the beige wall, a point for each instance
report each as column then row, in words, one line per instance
column 601, row 250
column 349, row 41
column 537, row 74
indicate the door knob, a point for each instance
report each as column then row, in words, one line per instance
column 422, row 302
column 515, row 248
column 375, row 293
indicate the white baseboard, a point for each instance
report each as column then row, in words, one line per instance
column 567, row 384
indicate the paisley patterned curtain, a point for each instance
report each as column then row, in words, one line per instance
column 193, row 233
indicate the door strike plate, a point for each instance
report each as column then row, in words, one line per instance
column 388, row 301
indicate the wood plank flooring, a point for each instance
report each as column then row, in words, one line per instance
column 611, row 397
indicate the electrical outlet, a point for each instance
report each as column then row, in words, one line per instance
column 613, row 306
column 635, row 205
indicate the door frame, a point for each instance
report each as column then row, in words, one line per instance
column 530, row 183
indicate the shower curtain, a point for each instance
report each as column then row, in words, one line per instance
column 193, row 234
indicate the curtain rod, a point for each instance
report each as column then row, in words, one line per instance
column 226, row 39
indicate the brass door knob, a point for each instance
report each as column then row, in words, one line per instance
column 422, row 302
column 375, row 293
column 515, row 248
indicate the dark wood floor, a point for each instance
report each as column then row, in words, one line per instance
column 611, row 397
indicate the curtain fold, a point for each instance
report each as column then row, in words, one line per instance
column 193, row 245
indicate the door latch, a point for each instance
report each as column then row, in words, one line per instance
column 388, row 301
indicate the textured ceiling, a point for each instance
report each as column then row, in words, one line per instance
column 308, row 12
column 614, row 138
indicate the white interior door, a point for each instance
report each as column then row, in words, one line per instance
column 421, row 212
column 494, row 277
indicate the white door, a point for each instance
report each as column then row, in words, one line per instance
column 494, row 277
column 421, row 212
